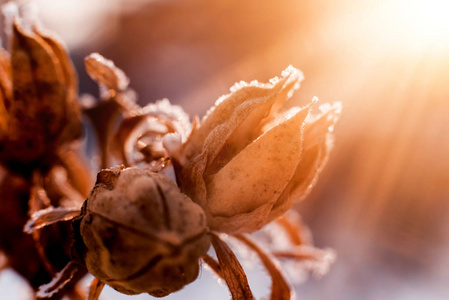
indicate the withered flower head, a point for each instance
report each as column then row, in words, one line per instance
column 139, row 136
column 140, row 234
column 39, row 111
column 246, row 163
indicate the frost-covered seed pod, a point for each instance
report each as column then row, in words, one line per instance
column 139, row 234
column 248, row 162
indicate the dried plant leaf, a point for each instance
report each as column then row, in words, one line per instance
column 104, row 72
column 232, row 271
column 280, row 289
column 50, row 216
column 95, row 288
column 58, row 282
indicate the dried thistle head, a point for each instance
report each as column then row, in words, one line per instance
column 38, row 97
column 139, row 234
column 246, row 163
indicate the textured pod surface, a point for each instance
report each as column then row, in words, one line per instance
column 141, row 234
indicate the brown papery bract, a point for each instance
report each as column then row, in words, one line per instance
column 247, row 163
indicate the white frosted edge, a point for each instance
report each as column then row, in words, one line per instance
column 291, row 72
column 123, row 80
column 163, row 106
column 49, row 289
column 30, row 225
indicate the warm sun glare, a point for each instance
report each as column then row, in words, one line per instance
column 423, row 23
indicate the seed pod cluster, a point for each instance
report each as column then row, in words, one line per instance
column 139, row 234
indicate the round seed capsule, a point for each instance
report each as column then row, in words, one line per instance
column 139, row 234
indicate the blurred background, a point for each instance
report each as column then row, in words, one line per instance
column 382, row 202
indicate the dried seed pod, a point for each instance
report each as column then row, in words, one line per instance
column 139, row 234
column 38, row 95
column 246, row 163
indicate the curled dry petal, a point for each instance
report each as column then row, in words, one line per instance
column 143, row 215
column 247, row 163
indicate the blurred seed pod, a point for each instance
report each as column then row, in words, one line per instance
column 39, row 107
